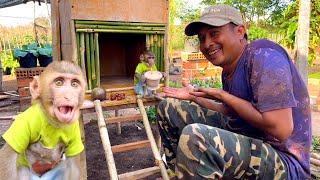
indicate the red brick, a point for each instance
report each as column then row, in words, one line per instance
column 35, row 71
column 189, row 65
column 187, row 74
column 23, row 82
column 202, row 65
column 22, row 73
column 24, row 92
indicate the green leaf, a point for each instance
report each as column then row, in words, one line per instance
column 19, row 53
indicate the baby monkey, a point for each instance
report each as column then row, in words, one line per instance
column 44, row 141
column 147, row 63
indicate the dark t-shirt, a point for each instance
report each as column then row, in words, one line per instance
column 266, row 77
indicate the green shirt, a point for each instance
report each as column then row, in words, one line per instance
column 142, row 68
column 31, row 126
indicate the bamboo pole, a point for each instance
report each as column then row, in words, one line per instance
column 153, row 143
column 105, row 141
column 92, row 60
column 148, row 42
column 120, row 31
column 119, row 23
column 162, row 52
column 96, row 37
column 88, row 62
column 82, row 56
column 138, row 27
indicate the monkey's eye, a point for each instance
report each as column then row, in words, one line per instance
column 75, row 83
column 58, row 82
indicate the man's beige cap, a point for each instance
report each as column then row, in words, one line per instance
column 217, row 15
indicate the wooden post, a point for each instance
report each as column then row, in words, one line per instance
column 74, row 56
column 302, row 39
column 105, row 141
column 83, row 161
column 165, row 54
column 116, row 114
column 56, row 39
column 82, row 56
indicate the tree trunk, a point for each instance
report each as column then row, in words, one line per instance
column 302, row 39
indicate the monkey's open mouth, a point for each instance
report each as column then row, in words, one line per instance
column 64, row 113
column 65, row 109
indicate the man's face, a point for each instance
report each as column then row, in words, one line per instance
column 220, row 45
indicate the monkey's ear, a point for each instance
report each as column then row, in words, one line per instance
column 34, row 87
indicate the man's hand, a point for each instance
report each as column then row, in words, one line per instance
column 210, row 93
column 180, row 93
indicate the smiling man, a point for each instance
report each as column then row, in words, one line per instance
column 257, row 127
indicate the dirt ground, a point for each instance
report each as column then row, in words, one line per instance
column 126, row 161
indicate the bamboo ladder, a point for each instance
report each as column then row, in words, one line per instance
column 109, row 150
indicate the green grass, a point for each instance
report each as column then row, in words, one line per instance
column 314, row 75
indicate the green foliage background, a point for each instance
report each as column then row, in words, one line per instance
column 273, row 19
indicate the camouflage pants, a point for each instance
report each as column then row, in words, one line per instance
column 199, row 143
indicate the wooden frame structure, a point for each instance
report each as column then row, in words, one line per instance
column 78, row 27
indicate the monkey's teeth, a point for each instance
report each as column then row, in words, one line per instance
column 65, row 109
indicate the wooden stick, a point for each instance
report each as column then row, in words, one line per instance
column 83, row 161
column 120, row 31
column 139, row 174
column 116, row 112
column 105, row 141
column 153, row 143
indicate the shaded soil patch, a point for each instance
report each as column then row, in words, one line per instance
column 126, row 161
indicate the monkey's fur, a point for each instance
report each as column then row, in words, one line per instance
column 60, row 92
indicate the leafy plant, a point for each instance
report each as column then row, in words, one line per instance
column 315, row 145
column 255, row 32
column 25, row 49
column 175, row 84
column 206, row 83
column 152, row 114
column 45, row 50
column 8, row 62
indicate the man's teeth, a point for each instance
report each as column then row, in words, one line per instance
column 213, row 52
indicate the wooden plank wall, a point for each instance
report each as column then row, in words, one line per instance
column 153, row 11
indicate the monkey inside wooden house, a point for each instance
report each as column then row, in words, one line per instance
column 44, row 141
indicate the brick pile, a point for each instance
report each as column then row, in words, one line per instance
column 24, row 77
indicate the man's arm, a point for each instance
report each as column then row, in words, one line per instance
column 278, row 123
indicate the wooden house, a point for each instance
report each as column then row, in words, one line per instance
column 106, row 37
